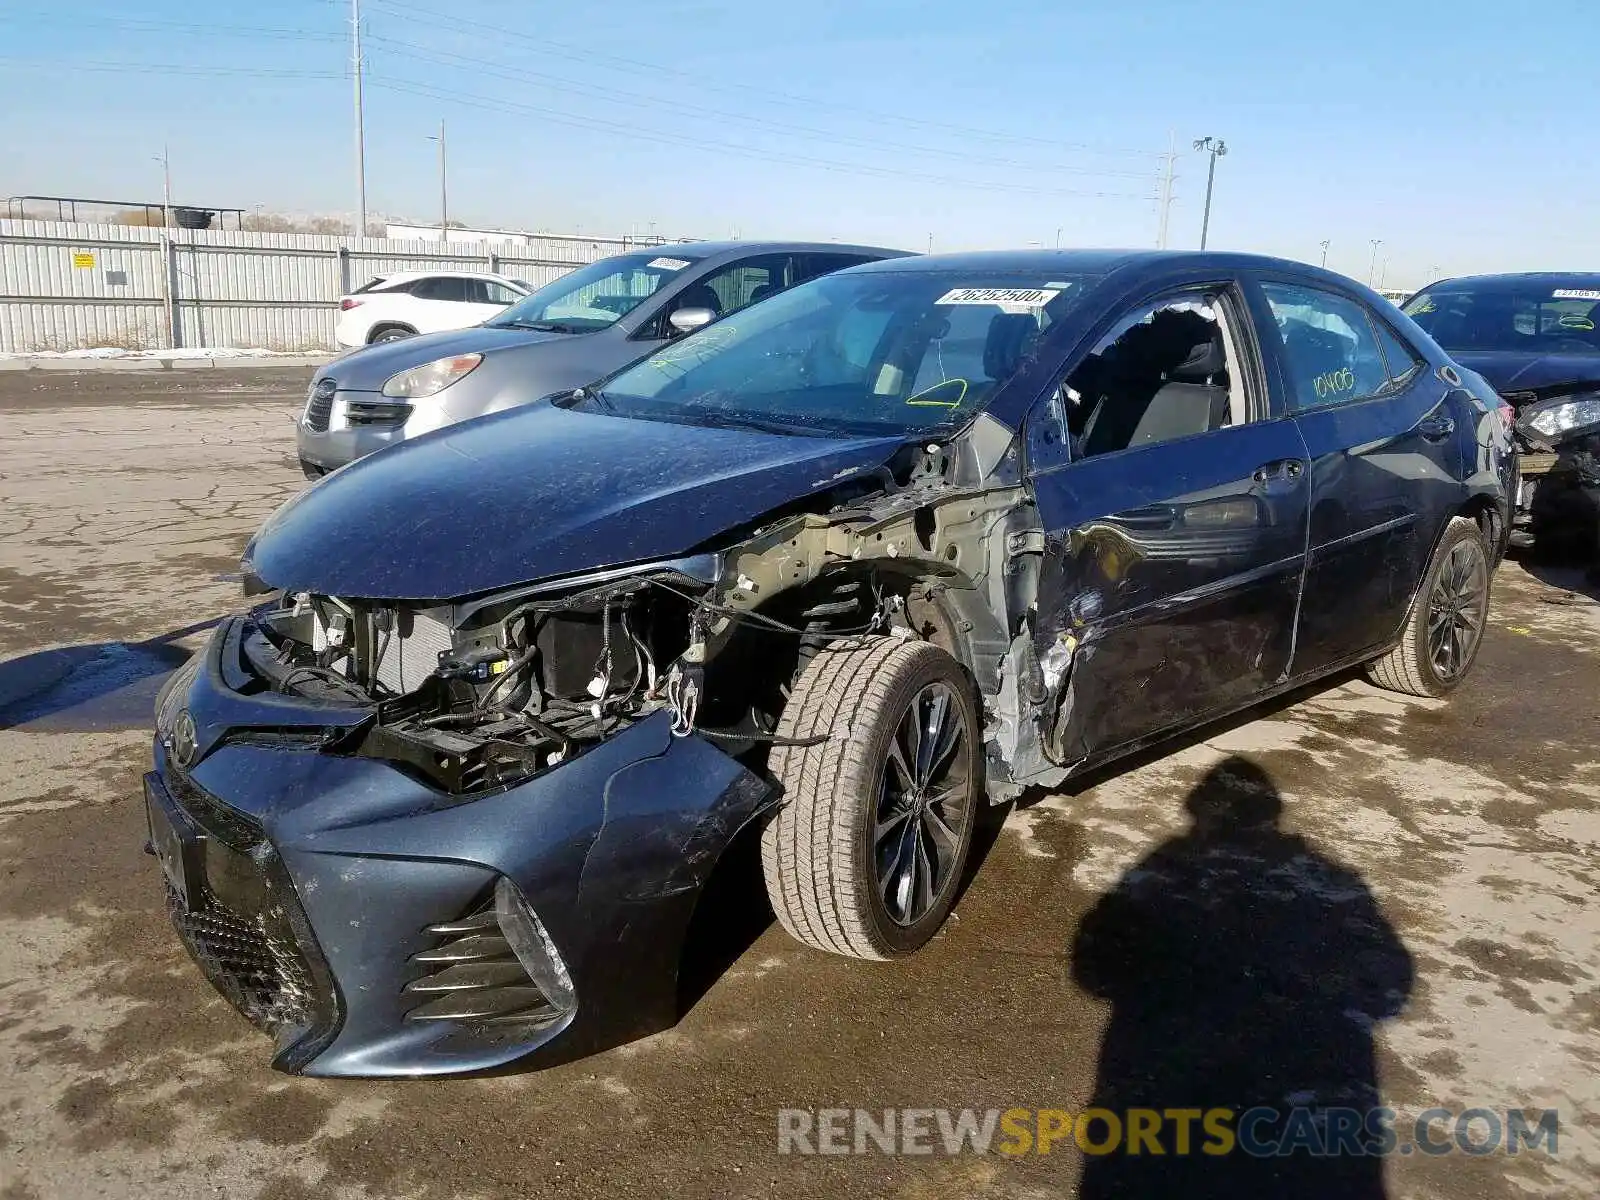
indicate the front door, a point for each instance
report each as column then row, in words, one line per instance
column 1174, row 535
column 1386, row 467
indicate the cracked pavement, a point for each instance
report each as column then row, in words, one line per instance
column 1466, row 833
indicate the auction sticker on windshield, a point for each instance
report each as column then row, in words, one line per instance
column 1576, row 294
column 668, row 264
column 1022, row 297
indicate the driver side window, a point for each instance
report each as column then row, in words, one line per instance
column 1167, row 370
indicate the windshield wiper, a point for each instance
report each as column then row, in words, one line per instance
column 722, row 420
column 541, row 326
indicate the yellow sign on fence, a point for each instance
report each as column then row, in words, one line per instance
column 83, row 261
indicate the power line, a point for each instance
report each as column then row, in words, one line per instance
column 166, row 69
column 151, row 25
column 480, row 66
column 493, row 104
column 453, row 22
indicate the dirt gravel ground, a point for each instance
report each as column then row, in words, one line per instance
column 1399, row 902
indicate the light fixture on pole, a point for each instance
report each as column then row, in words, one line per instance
column 1324, row 245
column 1372, row 267
column 1215, row 147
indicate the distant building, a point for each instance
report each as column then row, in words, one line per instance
column 503, row 237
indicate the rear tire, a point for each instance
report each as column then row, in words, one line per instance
column 865, row 855
column 390, row 333
column 1448, row 615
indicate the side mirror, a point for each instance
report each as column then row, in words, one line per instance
column 686, row 320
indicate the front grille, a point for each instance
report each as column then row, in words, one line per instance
column 319, row 406
column 474, row 975
column 258, row 971
column 248, row 933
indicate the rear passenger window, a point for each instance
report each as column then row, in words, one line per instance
column 810, row 266
column 1332, row 351
column 442, row 287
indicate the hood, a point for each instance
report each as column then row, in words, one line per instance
column 1510, row 371
column 369, row 368
column 533, row 493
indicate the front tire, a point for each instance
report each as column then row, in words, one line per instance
column 1448, row 615
column 865, row 855
column 390, row 333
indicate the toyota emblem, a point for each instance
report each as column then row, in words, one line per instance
column 185, row 741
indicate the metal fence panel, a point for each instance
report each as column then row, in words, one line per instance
column 66, row 285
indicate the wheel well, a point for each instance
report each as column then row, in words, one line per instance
column 1484, row 512
column 383, row 327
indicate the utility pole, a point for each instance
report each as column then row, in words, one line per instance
column 444, row 195
column 930, row 243
column 1168, row 176
column 1372, row 267
column 1324, row 245
column 361, row 126
column 166, row 187
column 1059, row 228
column 1215, row 147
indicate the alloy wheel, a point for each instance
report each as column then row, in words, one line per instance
column 922, row 805
column 1457, row 607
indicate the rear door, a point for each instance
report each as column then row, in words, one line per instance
column 442, row 302
column 1380, row 430
column 487, row 298
column 1174, row 529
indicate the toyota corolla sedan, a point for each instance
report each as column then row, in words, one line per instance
column 831, row 574
column 583, row 326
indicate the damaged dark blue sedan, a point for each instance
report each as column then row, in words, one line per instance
column 833, row 572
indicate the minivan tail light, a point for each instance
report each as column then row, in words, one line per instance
column 348, row 303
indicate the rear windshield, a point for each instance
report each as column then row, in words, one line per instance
column 1541, row 318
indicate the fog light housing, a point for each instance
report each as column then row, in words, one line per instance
column 531, row 943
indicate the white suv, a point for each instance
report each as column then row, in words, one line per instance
column 397, row 306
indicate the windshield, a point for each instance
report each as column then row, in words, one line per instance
column 1542, row 318
column 595, row 296
column 859, row 353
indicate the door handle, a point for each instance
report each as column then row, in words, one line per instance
column 1436, row 428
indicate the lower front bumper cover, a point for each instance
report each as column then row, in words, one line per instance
column 610, row 850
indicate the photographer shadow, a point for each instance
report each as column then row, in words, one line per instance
column 1244, row 970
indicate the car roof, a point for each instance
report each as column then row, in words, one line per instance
column 1097, row 262
column 449, row 272
column 703, row 250
column 1515, row 281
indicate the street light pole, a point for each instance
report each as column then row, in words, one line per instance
column 444, row 195
column 361, row 124
column 1372, row 267
column 1215, row 147
column 166, row 187
column 1324, row 245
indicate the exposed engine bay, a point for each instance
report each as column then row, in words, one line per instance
column 481, row 693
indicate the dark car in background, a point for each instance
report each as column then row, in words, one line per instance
column 899, row 541
column 1536, row 339
column 586, row 324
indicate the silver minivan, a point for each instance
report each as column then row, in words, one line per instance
column 573, row 331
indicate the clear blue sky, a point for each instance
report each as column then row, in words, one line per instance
column 1464, row 134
